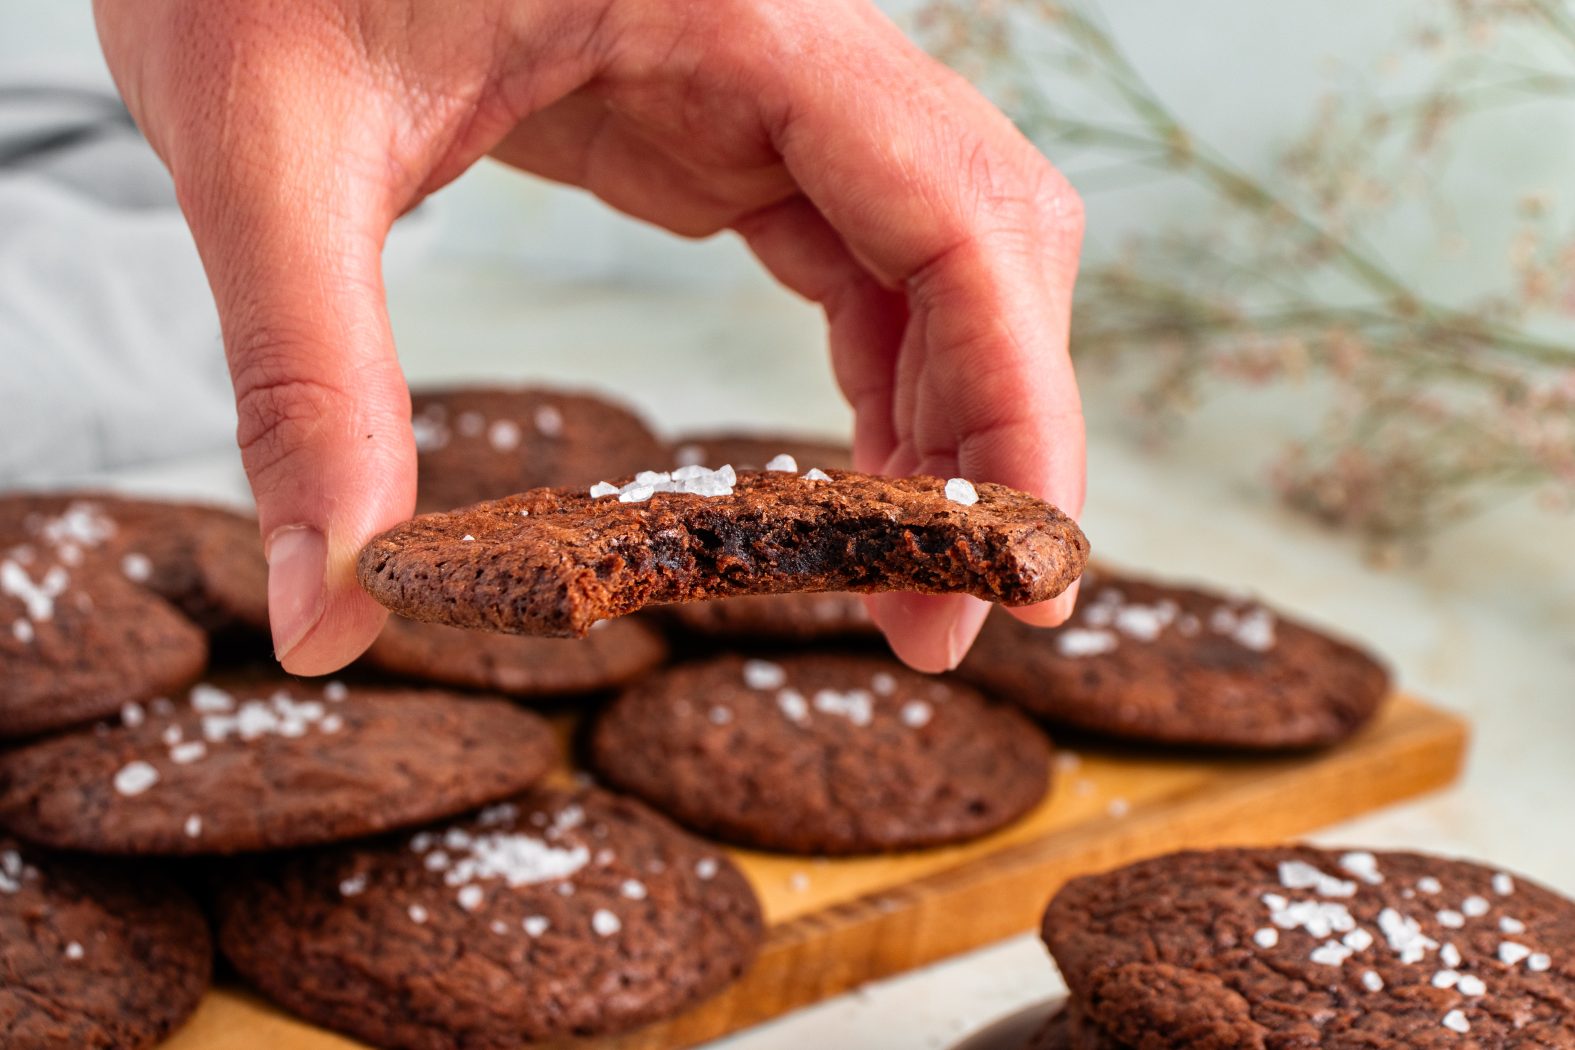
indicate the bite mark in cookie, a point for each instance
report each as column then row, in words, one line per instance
column 554, row 561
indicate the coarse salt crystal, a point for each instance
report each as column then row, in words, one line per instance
column 961, row 490
column 417, row 913
column 193, row 826
column 605, row 923
column 763, row 674
column 1299, row 875
column 633, row 889
column 504, row 435
column 1405, row 936
column 1330, row 953
column 1475, row 907
column 1372, row 982
column 1539, row 962
column 535, row 925
column 136, row 567
column 1451, row 919
column 602, row 488
column 470, row 897
column 1081, row 641
column 1511, row 953
column 1455, row 1021
column 1471, row 984
column 74, row 951
column 132, row 715
column 916, row 714
column 335, row 691
column 883, row 683
column 1511, row 925
column 22, row 631
column 549, row 421
column 1428, row 884
column 706, row 868
column 1503, row 884
column 1449, row 955
column 467, row 538
column 135, row 777
column 1445, row 979
column 784, row 463
column 815, row 474
column 1358, row 940
column 792, row 704
column 1267, row 937
column 1363, row 865
column 188, row 752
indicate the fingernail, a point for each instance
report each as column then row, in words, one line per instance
column 966, row 622
column 297, row 575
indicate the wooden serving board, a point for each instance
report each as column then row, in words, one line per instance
column 836, row 924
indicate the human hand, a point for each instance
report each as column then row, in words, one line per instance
column 864, row 175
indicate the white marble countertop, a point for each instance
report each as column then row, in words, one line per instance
column 1484, row 625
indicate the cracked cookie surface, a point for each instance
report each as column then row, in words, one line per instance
column 1180, row 665
column 1299, row 947
column 94, row 957
column 552, row 915
column 822, row 753
column 269, row 763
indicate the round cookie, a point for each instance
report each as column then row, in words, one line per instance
column 1178, row 665
column 753, row 450
column 476, row 443
column 205, row 560
column 553, row 915
column 1295, row 946
column 94, row 957
column 269, row 763
column 614, row 653
column 77, row 641
column 807, row 616
column 822, row 753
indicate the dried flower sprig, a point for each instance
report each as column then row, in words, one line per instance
column 1431, row 404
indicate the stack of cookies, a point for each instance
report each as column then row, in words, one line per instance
column 393, row 855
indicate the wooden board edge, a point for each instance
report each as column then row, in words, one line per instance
column 817, row 956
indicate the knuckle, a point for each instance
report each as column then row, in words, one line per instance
column 280, row 407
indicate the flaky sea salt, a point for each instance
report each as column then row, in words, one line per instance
column 1299, row 875
column 1081, row 641
column 1363, row 865
column 763, row 674
column 961, row 490
column 135, row 777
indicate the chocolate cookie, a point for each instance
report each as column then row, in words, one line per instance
column 77, row 641
column 1151, row 661
column 554, row 561
column 1302, row 947
column 269, row 763
column 753, row 451
column 94, row 957
column 481, row 443
column 822, row 753
column 550, row 916
column 614, row 653
column 205, row 560
column 808, row 616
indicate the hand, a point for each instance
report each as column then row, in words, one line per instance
column 864, row 175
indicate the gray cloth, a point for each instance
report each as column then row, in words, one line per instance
column 109, row 342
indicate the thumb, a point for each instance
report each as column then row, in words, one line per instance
column 324, row 411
